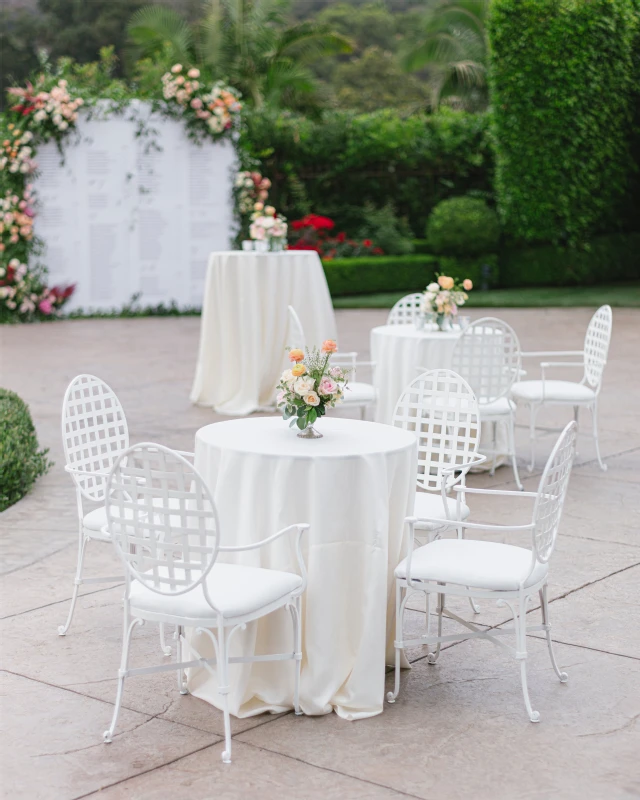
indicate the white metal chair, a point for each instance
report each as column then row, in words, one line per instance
column 440, row 407
column 94, row 433
column 164, row 526
column 509, row 574
column 487, row 355
column 358, row 395
column 535, row 394
column 405, row 310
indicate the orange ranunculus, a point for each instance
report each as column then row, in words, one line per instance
column 467, row 285
column 296, row 355
column 298, row 370
column 329, row 346
column 445, row 282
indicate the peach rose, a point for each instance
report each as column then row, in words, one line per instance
column 311, row 399
column 298, row 370
column 467, row 285
column 446, row 282
column 329, row 346
column 296, row 355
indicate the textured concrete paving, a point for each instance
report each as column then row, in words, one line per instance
column 458, row 730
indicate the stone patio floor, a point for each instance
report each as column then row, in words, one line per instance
column 459, row 728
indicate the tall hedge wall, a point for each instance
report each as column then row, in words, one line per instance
column 562, row 79
column 336, row 164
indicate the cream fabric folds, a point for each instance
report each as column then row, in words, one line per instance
column 244, row 326
column 354, row 487
column 398, row 351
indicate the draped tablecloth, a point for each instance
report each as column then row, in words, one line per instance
column 398, row 351
column 354, row 487
column 244, row 328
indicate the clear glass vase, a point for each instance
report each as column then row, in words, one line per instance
column 278, row 245
column 444, row 322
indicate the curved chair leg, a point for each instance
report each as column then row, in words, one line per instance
column 166, row 649
column 520, row 624
column 82, row 544
column 494, row 442
column 433, row 656
column 391, row 696
column 544, row 604
column 594, row 418
column 124, row 664
column 532, row 435
column 474, row 606
column 223, row 690
column 512, row 449
column 182, row 683
column 294, row 609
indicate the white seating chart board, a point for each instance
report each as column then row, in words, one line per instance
column 122, row 214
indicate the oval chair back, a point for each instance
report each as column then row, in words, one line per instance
column 405, row 310
column 487, row 355
column 94, row 433
column 162, row 519
column 552, row 491
column 441, row 409
column 596, row 346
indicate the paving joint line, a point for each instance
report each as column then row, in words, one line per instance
column 37, row 560
column 57, row 602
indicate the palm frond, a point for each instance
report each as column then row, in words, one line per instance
column 153, row 27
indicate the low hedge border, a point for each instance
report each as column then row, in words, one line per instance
column 21, row 463
column 350, row 276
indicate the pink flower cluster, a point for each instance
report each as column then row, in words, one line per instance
column 251, row 187
column 16, row 218
column 55, row 108
column 216, row 108
column 16, row 152
column 24, row 293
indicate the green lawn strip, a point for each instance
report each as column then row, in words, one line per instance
column 618, row 295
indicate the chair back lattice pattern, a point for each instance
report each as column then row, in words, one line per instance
column 441, row 409
column 94, row 432
column 487, row 355
column 296, row 331
column 596, row 344
column 162, row 519
column 405, row 310
column 552, row 491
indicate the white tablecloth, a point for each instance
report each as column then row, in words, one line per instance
column 354, row 487
column 244, row 327
column 398, row 351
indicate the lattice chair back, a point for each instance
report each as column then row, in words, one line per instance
column 441, row 409
column 162, row 519
column 405, row 310
column 94, row 433
column 488, row 356
column 296, row 331
column 552, row 491
column 596, row 345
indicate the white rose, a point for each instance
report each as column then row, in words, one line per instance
column 63, row 125
column 303, row 386
column 433, row 287
column 40, row 115
column 288, row 377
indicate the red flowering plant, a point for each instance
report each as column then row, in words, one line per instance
column 314, row 234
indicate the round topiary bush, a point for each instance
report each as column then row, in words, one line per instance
column 20, row 460
column 463, row 226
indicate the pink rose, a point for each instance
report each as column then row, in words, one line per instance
column 196, row 103
column 280, row 398
column 335, row 372
column 327, row 386
column 45, row 306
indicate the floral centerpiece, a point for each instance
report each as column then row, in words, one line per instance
column 267, row 226
column 443, row 298
column 216, row 109
column 309, row 387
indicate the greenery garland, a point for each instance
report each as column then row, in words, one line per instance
column 47, row 110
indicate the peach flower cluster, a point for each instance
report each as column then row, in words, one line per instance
column 16, row 218
column 16, row 154
column 445, row 295
column 218, row 108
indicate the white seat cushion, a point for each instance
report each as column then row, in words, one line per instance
column 497, row 408
column 430, row 504
column 234, row 590
column 560, row 391
column 94, row 521
column 359, row 393
column 469, row 562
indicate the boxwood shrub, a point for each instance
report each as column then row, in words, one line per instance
column 463, row 226
column 350, row 276
column 21, row 462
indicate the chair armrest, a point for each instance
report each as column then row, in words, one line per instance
column 475, row 460
column 541, row 353
column 481, row 526
column 301, row 528
column 185, row 454
column 503, row 492
column 91, row 473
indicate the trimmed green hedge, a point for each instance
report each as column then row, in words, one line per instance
column 21, row 463
column 608, row 258
column 349, row 276
column 335, row 164
column 562, row 79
